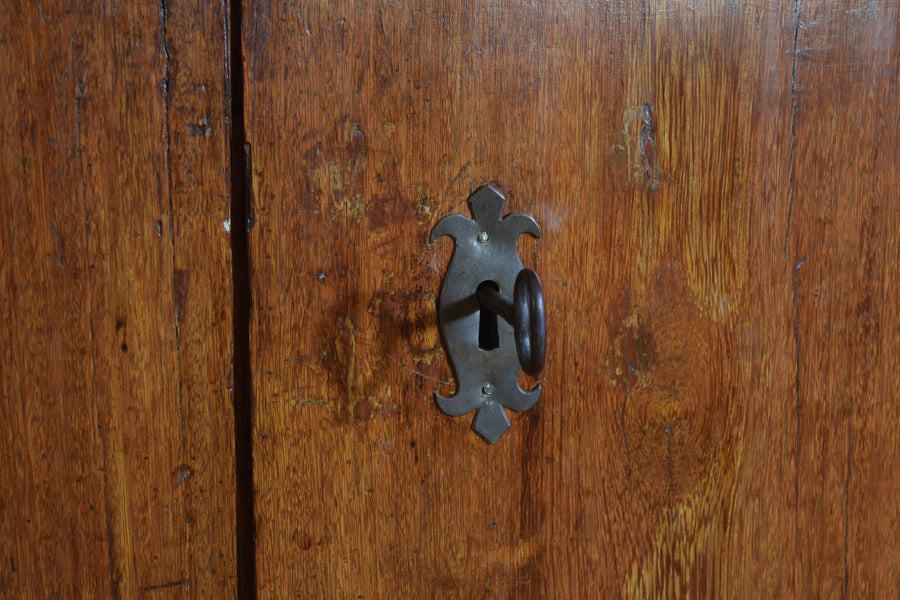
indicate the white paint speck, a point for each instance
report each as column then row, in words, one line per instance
column 226, row 225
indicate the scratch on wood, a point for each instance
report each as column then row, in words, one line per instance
column 163, row 15
column 796, row 310
column 307, row 402
column 402, row 366
column 201, row 128
column 79, row 100
column 667, row 430
column 182, row 473
column 177, row 274
column 180, row 287
column 115, row 574
column 250, row 197
column 625, row 434
column 793, row 146
column 847, row 502
column 648, row 148
column 170, row 584
column 461, row 171
column 57, row 245
column 638, row 142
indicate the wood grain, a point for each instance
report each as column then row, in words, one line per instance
column 843, row 242
column 716, row 184
column 682, row 446
column 116, row 447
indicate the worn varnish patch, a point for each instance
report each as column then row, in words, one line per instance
column 638, row 143
column 356, row 398
column 631, row 356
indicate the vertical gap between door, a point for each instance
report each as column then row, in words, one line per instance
column 242, row 385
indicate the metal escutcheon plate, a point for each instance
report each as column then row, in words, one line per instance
column 486, row 250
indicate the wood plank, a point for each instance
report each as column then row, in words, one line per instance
column 702, row 354
column 657, row 145
column 117, row 478
column 843, row 242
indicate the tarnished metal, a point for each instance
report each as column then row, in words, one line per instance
column 487, row 380
column 525, row 312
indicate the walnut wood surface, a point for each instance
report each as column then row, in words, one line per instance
column 116, row 459
column 717, row 187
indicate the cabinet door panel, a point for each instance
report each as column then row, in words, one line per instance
column 716, row 184
column 117, row 477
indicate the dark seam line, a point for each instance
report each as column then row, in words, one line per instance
column 242, row 383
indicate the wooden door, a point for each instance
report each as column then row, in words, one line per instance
column 117, row 469
column 717, row 188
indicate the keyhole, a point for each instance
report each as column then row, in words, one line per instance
column 488, row 336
